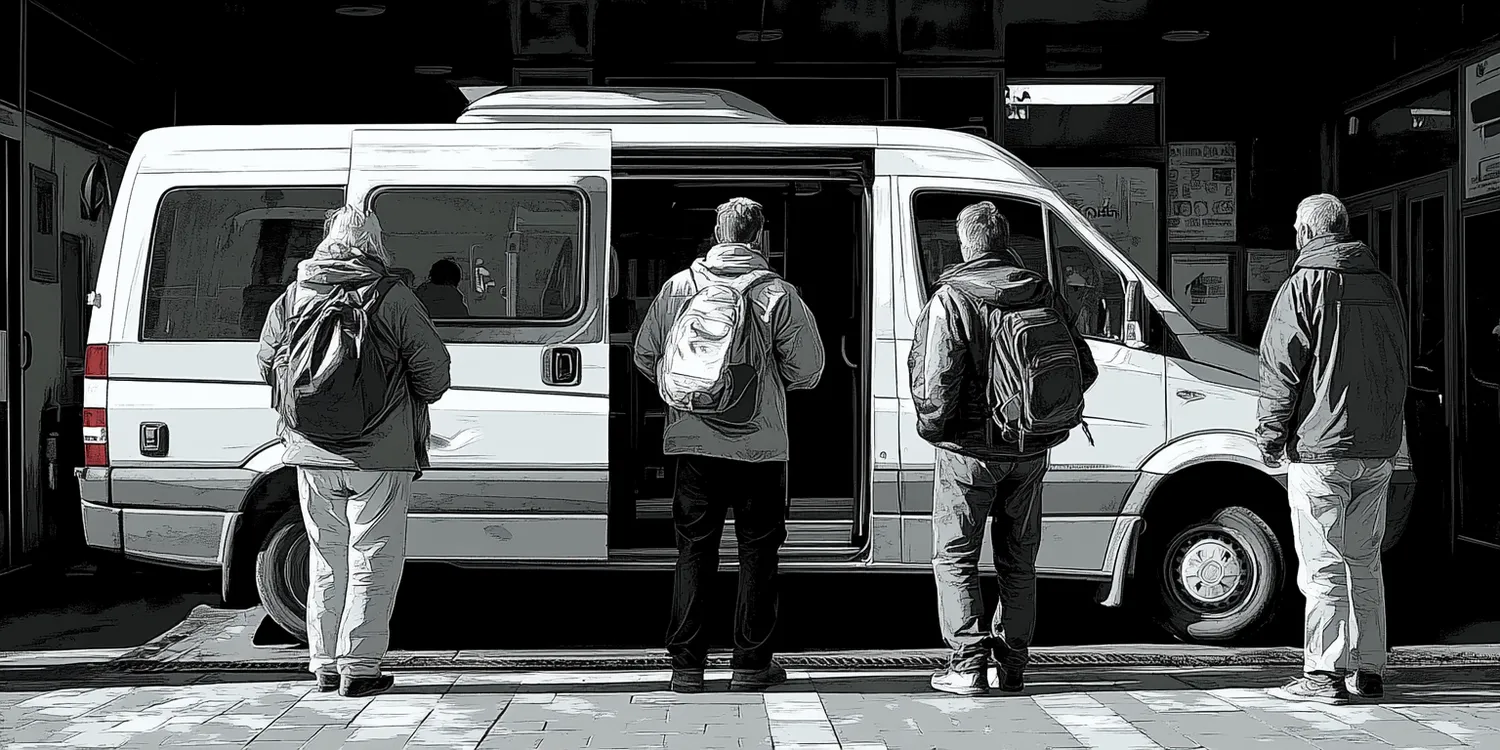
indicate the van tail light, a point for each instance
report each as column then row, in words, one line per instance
column 96, row 361
column 95, row 438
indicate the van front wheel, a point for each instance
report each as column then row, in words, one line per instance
column 1219, row 578
column 281, row 574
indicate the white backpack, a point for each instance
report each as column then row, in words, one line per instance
column 707, row 366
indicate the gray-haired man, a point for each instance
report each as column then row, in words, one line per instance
column 1333, row 379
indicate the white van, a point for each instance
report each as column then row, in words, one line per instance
column 566, row 210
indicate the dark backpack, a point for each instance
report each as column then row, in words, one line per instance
column 335, row 385
column 1035, row 390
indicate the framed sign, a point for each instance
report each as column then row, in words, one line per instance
column 1202, row 192
column 1482, row 128
column 1266, row 269
column 1200, row 287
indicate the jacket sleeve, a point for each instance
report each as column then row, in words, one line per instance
column 1085, row 357
column 799, row 345
column 938, row 362
column 428, row 364
column 1285, row 352
column 652, row 336
column 271, row 343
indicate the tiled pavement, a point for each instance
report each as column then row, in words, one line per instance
column 1072, row 707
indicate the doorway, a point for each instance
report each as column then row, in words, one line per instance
column 1478, row 507
column 1408, row 228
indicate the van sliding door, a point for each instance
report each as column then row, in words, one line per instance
column 518, row 219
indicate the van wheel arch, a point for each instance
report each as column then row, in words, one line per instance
column 1223, row 509
column 266, row 502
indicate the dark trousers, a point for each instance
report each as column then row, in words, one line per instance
column 706, row 489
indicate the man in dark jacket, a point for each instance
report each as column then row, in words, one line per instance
column 976, row 479
column 355, row 493
column 1333, row 380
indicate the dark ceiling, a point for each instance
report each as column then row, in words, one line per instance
column 281, row 60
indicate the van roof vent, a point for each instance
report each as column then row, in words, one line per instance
column 535, row 104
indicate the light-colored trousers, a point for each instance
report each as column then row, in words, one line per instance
column 356, row 526
column 1338, row 519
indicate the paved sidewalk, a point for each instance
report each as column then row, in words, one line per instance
column 1119, row 707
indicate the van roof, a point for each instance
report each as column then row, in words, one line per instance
column 219, row 148
column 539, row 104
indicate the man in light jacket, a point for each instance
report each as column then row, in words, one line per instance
column 734, row 461
column 1333, row 380
column 354, row 494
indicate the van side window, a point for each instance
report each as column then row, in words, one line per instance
column 936, row 216
column 1092, row 287
column 221, row 256
column 488, row 254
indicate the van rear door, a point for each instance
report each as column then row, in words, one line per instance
column 519, row 448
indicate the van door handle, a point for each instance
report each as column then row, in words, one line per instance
column 25, row 350
column 1189, row 396
column 843, row 345
column 560, row 366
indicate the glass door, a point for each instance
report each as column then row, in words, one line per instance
column 1479, row 505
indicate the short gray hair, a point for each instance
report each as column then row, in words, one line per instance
column 1323, row 214
column 739, row 220
column 350, row 232
column 982, row 229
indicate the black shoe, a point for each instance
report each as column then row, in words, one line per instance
column 687, row 680
column 1365, row 685
column 327, row 681
column 745, row 680
column 1007, row 671
column 1316, row 689
column 364, row 687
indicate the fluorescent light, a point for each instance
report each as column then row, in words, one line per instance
column 360, row 11
column 433, row 70
column 1184, row 35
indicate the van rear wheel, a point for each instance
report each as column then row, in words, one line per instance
column 281, row 574
column 1219, row 578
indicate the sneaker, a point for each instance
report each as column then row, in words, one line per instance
column 364, row 687
column 1006, row 673
column 1365, row 685
column 757, row 679
column 1315, row 689
column 327, row 681
column 950, row 680
column 687, row 680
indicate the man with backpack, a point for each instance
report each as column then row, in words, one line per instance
column 353, row 362
column 723, row 342
column 998, row 375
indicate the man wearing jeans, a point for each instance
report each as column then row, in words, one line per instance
column 736, row 458
column 1333, row 380
column 977, row 478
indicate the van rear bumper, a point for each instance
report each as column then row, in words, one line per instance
column 181, row 538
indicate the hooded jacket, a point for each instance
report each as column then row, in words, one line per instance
column 949, row 358
column 1334, row 359
column 793, row 360
column 407, row 341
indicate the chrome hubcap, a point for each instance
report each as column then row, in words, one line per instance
column 1211, row 570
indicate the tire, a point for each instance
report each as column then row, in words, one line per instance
column 1219, row 579
column 281, row 574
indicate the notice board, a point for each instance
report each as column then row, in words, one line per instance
column 1202, row 192
column 1482, row 128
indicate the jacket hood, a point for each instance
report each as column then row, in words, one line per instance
column 1337, row 253
column 996, row 281
column 357, row 270
column 732, row 259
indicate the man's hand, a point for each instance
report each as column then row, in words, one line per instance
column 1270, row 459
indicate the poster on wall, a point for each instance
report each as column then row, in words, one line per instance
column 1265, row 270
column 1202, row 192
column 1121, row 203
column 1482, row 127
column 1200, row 287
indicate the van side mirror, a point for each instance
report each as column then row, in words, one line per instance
column 1133, row 334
